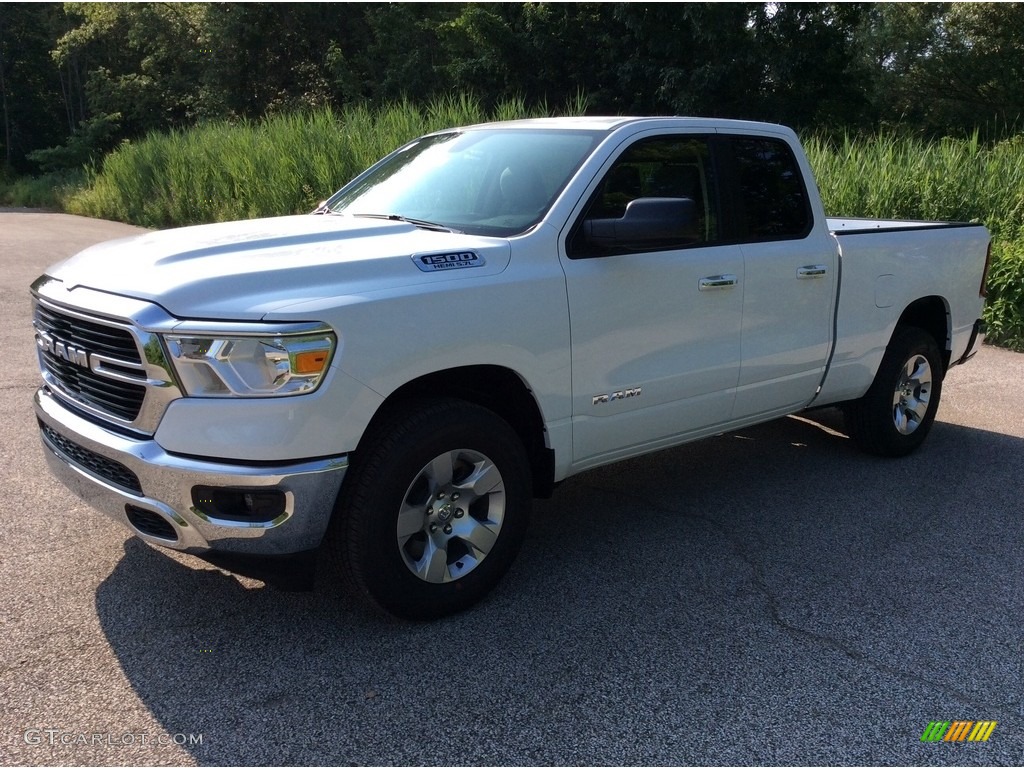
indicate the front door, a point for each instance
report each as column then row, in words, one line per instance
column 656, row 326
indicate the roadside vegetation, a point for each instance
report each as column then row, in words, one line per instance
column 282, row 164
column 166, row 114
column 890, row 177
column 1004, row 307
column 48, row 192
column 289, row 163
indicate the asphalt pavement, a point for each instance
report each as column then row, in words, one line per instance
column 770, row 596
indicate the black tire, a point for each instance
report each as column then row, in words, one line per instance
column 895, row 415
column 456, row 540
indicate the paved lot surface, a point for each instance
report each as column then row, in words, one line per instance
column 768, row 596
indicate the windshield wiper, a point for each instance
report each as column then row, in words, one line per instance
column 433, row 226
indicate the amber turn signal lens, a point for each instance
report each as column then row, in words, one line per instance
column 310, row 362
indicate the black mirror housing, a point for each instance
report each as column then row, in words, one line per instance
column 647, row 222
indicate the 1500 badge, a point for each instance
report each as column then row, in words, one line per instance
column 433, row 262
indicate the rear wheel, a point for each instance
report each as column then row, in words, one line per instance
column 896, row 414
column 433, row 510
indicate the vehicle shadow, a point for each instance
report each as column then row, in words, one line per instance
column 766, row 596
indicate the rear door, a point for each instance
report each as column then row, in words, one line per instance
column 791, row 268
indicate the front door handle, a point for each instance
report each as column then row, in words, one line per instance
column 717, row 282
column 811, row 272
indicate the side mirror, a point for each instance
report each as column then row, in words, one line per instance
column 648, row 221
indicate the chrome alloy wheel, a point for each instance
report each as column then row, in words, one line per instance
column 451, row 516
column 911, row 400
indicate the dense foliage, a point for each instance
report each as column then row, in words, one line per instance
column 283, row 164
column 76, row 79
column 173, row 113
column 949, row 180
column 287, row 163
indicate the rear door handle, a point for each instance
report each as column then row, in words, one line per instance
column 811, row 272
column 717, row 282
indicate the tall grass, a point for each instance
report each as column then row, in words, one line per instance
column 50, row 191
column 288, row 163
column 948, row 180
column 284, row 164
column 906, row 178
column 1004, row 307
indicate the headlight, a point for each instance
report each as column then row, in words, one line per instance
column 215, row 365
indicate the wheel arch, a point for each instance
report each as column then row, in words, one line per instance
column 931, row 314
column 500, row 390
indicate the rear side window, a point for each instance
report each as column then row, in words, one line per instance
column 770, row 199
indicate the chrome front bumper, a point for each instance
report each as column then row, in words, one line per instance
column 149, row 491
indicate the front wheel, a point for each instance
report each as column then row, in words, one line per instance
column 896, row 414
column 434, row 509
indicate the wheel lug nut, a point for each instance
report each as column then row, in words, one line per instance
column 433, row 528
column 440, row 495
column 447, row 529
column 455, row 497
column 460, row 512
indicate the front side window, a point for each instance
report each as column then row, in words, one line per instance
column 675, row 168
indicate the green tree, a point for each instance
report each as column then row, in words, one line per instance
column 403, row 56
column 946, row 68
column 813, row 75
column 143, row 60
column 687, row 58
column 125, row 69
column 30, row 89
column 89, row 75
column 896, row 43
column 271, row 57
column 977, row 72
column 626, row 57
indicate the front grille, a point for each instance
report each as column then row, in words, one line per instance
column 113, row 472
column 119, row 398
column 96, row 337
column 150, row 523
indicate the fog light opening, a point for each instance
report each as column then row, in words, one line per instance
column 150, row 523
column 241, row 505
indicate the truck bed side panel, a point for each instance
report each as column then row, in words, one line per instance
column 886, row 266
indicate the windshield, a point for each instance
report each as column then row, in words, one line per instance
column 495, row 182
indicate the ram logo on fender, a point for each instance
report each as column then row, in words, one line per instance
column 61, row 349
column 622, row 394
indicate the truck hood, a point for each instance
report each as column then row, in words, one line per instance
column 245, row 270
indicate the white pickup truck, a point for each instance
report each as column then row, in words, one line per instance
column 482, row 314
